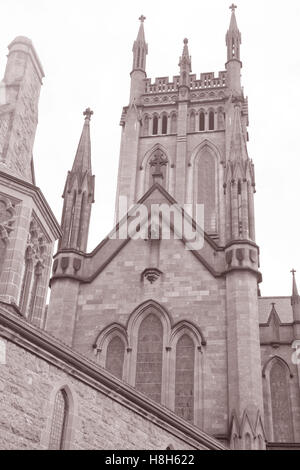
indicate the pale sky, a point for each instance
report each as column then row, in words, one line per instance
column 86, row 51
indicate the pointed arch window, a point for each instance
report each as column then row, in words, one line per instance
column 34, row 312
column 115, row 357
column 184, row 378
column 164, row 127
column 149, row 357
column 155, row 125
column 233, row 47
column 202, row 121
column 211, row 121
column 59, row 421
column 280, row 399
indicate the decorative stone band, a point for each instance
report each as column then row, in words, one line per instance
column 247, row 431
column 242, row 253
column 67, row 264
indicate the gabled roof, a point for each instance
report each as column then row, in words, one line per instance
column 106, row 251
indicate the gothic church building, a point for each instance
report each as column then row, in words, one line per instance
column 146, row 342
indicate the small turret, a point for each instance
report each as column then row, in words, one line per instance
column 78, row 194
column 140, row 48
column 138, row 74
column 185, row 64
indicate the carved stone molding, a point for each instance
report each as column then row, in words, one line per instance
column 36, row 245
column 7, row 218
column 151, row 274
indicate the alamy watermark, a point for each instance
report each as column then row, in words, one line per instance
column 161, row 222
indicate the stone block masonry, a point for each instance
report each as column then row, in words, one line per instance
column 104, row 413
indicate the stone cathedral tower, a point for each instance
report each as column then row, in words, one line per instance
column 183, row 142
column 173, row 325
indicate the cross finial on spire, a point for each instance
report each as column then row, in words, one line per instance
column 232, row 7
column 88, row 114
column 142, row 18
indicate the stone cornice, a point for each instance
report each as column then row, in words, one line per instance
column 283, row 446
column 244, row 268
column 55, row 352
column 241, row 242
column 29, row 189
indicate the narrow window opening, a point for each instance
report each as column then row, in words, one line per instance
column 138, row 58
column 211, row 121
column 184, row 378
column 146, row 126
column 164, row 125
column 155, row 125
column 202, row 122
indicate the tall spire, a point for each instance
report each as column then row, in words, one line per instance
column 233, row 37
column 233, row 24
column 234, row 64
column 185, row 63
column 82, row 161
column 295, row 299
column 141, row 33
column 78, row 194
column 239, row 184
column 295, row 302
column 140, row 48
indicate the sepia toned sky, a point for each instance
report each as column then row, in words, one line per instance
column 86, row 51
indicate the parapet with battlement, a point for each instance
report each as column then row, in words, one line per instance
column 207, row 80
